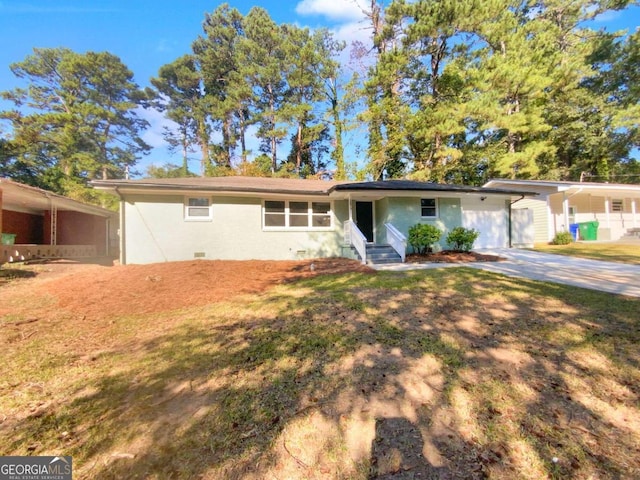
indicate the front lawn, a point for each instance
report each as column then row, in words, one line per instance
column 447, row 373
column 610, row 252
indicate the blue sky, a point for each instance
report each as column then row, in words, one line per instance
column 147, row 34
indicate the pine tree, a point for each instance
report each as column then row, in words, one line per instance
column 178, row 93
column 226, row 92
column 77, row 119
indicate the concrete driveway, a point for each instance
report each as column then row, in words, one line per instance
column 609, row 277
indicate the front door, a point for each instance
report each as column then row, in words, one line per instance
column 364, row 219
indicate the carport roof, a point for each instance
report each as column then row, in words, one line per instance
column 23, row 197
column 546, row 187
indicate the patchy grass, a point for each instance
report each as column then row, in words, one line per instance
column 610, row 252
column 452, row 373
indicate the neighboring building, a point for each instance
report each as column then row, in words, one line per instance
column 616, row 207
column 271, row 218
column 38, row 223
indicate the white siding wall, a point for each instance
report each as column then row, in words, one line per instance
column 155, row 231
column 540, row 217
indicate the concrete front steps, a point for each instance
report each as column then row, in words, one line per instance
column 633, row 232
column 381, row 254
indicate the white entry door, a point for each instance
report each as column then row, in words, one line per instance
column 489, row 217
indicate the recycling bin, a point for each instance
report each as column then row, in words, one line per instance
column 574, row 228
column 8, row 238
column 589, row 230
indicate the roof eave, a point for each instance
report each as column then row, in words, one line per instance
column 122, row 187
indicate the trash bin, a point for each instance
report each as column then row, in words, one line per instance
column 574, row 228
column 8, row 238
column 589, row 230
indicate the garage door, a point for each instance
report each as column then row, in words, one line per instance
column 489, row 217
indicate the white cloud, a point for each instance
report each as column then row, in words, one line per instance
column 336, row 10
column 347, row 21
column 157, row 121
column 353, row 31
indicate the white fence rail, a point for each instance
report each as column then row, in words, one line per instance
column 353, row 236
column 397, row 240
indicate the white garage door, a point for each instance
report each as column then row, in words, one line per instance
column 489, row 217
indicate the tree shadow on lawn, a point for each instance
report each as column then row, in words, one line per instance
column 500, row 378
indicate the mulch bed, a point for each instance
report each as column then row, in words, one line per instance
column 452, row 256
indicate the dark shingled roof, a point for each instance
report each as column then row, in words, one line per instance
column 412, row 185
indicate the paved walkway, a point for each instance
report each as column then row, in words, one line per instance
column 609, row 277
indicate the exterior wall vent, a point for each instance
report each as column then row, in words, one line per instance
column 199, row 255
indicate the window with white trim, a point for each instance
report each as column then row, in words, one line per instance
column 296, row 215
column 617, row 205
column 197, row 209
column 428, row 207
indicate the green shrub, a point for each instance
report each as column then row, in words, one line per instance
column 422, row 236
column 461, row 238
column 562, row 238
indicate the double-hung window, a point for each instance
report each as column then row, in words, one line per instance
column 198, row 209
column 428, row 208
column 275, row 214
column 295, row 214
column 617, row 205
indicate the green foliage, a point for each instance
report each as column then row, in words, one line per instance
column 76, row 120
column 168, row 170
column 453, row 92
column 178, row 94
column 562, row 238
column 461, row 238
column 464, row 91
column 423, row 236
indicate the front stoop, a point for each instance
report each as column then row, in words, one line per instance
column 632, row 233
column 381, row 254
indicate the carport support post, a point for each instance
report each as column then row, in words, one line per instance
column 1, row 210
column 565, row 211
column 633, row 211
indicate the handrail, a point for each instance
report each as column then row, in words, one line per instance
column 397, row 240
column 356, row 238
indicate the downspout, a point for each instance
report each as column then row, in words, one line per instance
column 510, row 220
column 121, row 241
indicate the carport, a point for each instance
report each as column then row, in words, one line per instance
column 36, row 223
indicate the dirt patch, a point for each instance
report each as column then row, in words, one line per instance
column 452, row 256
column 99, row 291
column 447, row 373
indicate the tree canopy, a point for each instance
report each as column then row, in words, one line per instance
column 451, row 91
column 75, row 121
